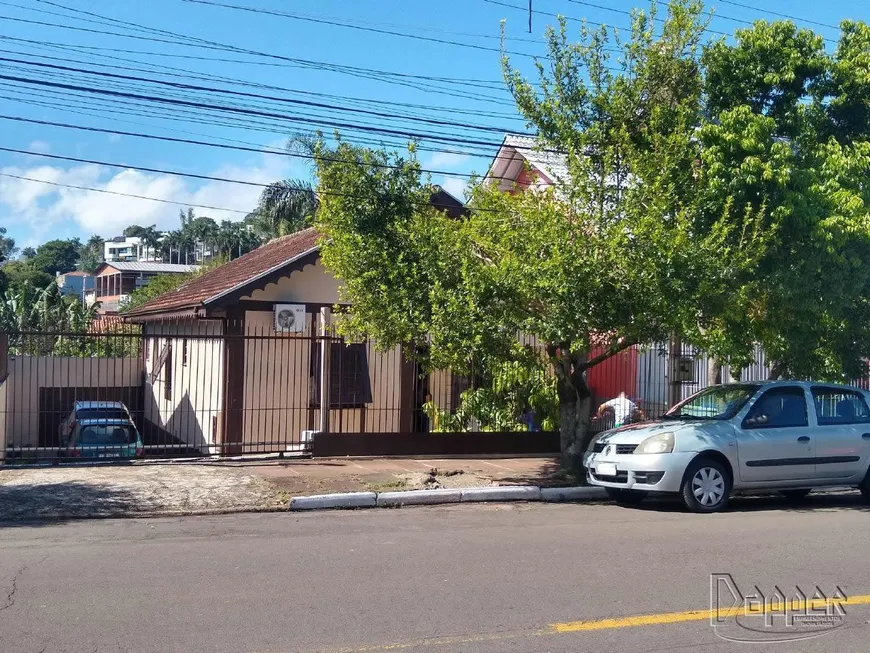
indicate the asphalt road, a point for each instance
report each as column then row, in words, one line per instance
column 446, row 579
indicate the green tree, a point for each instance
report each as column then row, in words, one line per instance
column 608, row 258
column 7, row 245
column 91, row 254
column 21, row 273
column 786, row 135
column 28, row 252
column 233, row 239
column 57, row 256
column 284, row 208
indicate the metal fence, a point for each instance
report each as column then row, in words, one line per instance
column 224, row 387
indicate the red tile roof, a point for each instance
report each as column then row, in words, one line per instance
column 235, row 274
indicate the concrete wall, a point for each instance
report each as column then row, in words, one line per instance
column 19, row 394
column 192, row 413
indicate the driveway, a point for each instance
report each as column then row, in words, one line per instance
column 131, row 490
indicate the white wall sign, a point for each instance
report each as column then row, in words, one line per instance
column 289, row 318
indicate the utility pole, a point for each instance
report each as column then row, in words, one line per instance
column 530, row 16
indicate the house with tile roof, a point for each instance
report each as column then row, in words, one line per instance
column 237, row 359
column 115, row 280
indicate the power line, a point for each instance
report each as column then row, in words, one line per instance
column 625, row 12
column 113, row 192
column 255, row 112
column 308, row 103
column 298, row 155
column 184, row 174
column 191, row 41
column 335, row 23
column 293, row 62
column 775, row 13
column 629, row 13
column 192, row 175
column 250, row 125
column 188, row 74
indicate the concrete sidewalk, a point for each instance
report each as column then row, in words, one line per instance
column 152, row 488
column 322, row 476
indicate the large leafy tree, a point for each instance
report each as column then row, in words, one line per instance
column 7, row 245
column 787, row 134
column 56, row 256
column 611, row 256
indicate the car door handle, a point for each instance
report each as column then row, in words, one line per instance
column 804, row 438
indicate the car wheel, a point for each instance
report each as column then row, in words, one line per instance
column 625, row 497
column 706, row 486
column 795, row 495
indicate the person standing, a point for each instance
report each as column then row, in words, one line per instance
column 623, row 408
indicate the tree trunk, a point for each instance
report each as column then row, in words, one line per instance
column 575, row 402
column 714, row 371
column 574, row 432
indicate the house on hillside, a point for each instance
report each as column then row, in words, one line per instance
column 114, row 281
column 237, row 360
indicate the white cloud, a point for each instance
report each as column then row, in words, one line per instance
column 39, row 146
column 42, row 205
column 447, row 160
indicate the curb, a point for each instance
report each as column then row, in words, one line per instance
column 446, row 496
column 339, row 500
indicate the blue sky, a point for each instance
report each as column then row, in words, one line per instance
column 34, row 212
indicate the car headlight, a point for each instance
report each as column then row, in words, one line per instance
column 658, row 443
column 593, row 441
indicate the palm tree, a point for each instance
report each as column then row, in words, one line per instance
column 285, row 207
column 91, row 254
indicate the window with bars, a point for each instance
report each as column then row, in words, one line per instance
column 349, row 383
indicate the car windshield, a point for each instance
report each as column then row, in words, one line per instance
column 102, row 413
column 717, row 402
column 106, row 434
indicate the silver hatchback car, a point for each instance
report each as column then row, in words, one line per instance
column 780, row 435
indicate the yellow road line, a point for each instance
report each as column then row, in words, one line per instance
column 695, row 615
column 605, row 624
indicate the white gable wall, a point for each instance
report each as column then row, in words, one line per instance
column 313, row 284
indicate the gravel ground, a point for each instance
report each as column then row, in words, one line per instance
column 134, row 490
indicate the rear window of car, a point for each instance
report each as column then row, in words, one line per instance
column 102, row 413
column 106, row 434
column 838, row 406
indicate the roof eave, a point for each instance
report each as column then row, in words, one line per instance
column 252, row 282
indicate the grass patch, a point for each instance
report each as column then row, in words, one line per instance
column 387, row 486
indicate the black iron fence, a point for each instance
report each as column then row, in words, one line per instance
column 225, row 387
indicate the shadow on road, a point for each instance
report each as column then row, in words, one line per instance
column 821, row 502
column 47, row 504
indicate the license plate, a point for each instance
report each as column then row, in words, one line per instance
column 606, row 469
column 109, row 455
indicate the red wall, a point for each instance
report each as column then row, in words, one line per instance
column 616, row 374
